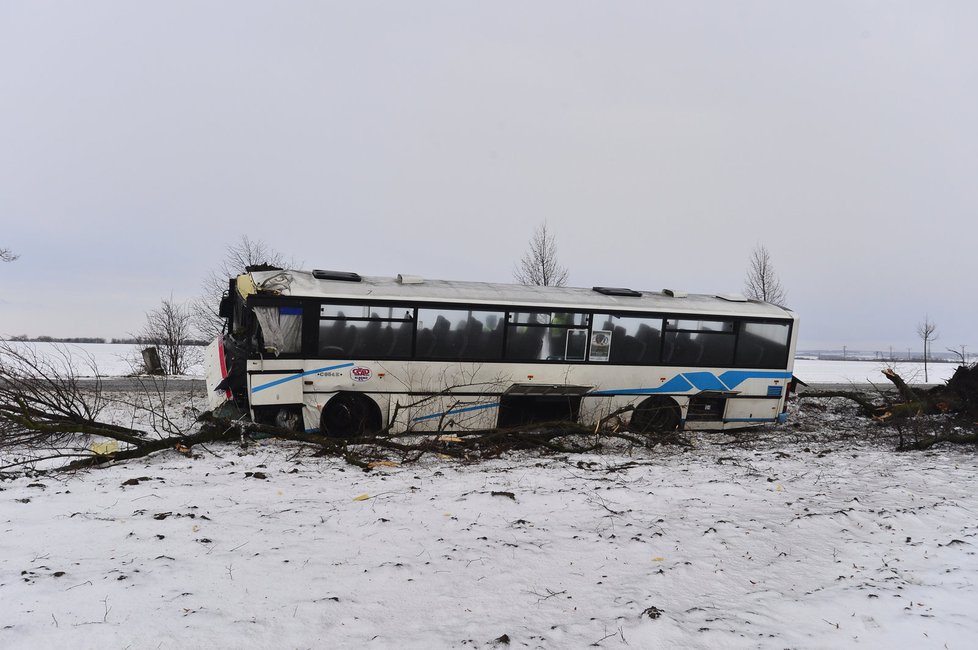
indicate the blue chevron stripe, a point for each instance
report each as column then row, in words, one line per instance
column 700, row 381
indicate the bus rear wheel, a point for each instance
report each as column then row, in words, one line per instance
column 656, row 414
column 349, row 414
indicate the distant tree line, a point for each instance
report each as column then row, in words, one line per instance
column 135, row 340
column 58, row 339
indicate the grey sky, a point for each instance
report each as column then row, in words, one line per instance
column 661, row 142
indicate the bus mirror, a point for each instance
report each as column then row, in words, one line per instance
column 226, row 310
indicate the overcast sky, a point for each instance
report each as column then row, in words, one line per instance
column 660, row 141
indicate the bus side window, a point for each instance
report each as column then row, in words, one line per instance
column 699, row 343
column 441, row 331
column 762, row 345
column 634, row 339
column 459, row 334
column 401, row 343
column 332, row 335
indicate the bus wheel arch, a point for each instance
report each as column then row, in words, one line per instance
column 656, row 413
column 348, row 414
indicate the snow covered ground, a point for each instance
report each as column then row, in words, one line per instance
column 806, row 535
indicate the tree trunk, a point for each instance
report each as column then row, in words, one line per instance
column 907, row 393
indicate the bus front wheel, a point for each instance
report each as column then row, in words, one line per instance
column 349, row 414
column 656, row 414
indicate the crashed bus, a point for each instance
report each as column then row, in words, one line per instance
column 341, row 354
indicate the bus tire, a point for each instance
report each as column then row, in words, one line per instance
column 347, row 415
column 658, row 413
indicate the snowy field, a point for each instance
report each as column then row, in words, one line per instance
column 819, row 371
column 120, row 360
column 808, row 535
column 110, row 359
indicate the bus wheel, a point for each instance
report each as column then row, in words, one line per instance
column 349, row 414
column 655, row 414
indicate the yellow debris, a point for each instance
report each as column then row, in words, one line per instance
column 658, row 559
column 106, row 448
column 382, row 463
column 362, row 497
column 246, row 286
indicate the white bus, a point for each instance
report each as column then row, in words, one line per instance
column 340, row 354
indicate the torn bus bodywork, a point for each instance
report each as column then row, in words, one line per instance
column 258, row 325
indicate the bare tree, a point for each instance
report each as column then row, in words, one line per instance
column 762, row 281
column 7, row 255
column 169, row 328
column 237, row 257
column 960, row 354
column 927, row 331
column 539, row 265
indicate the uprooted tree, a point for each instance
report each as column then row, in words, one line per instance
column 51, row 412
column 923, row 418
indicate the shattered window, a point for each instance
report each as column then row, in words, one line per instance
column 281, row 329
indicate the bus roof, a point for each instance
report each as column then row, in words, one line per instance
column 302, row 284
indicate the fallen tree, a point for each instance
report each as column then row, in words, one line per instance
column 49, row 420
column 53, row 413
column 922, row 419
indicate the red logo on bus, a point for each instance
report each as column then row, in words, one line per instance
column 359, row 373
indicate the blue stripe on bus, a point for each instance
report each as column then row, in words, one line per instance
column 677, row 384
column 734, row 378
column 684, row 382
column 704, row 381
column 477, row 407
column 298, row 376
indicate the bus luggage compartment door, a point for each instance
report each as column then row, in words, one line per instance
column 706, row 407
column 531, row 403
column 275, row 388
